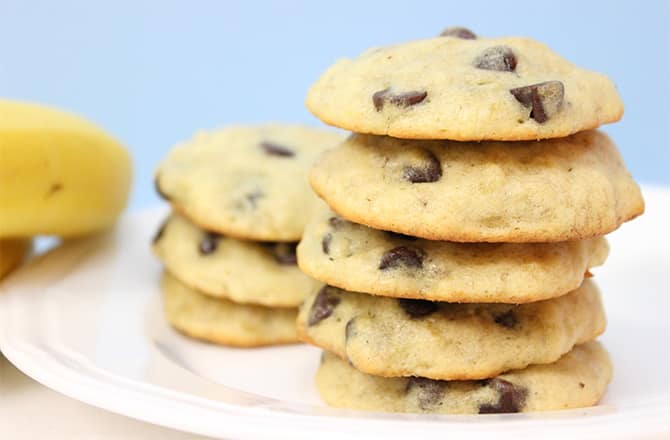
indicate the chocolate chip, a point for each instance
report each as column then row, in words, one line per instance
column 337, row 222
column 159, row 232
column 283, row 253
column 208, row 243
column 323, row 305
column 581, row 385
column 405, row 99
column 398, row 236
column 325, row 243
column 378, row 99
column 159, row 191
column 418, row 308
column 350, row 329
column 545, row 98
column 428, row 171
column 458, row 32
column 511, row 398
column 429, row 392
column 500, row 58
column 402, row 256
column 507, row 319
column 254, row 197
column 273, row 149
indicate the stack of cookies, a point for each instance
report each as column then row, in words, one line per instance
column 240, row 199
column 464, row 216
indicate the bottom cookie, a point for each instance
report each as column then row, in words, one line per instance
column 12, row 252
column 224, row 322
column 576, row 380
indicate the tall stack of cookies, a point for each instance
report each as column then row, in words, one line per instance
column 464, row 216
column 240, row 199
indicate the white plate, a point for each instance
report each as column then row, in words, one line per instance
column 85, row 319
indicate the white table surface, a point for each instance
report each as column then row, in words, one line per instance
column 29, row 410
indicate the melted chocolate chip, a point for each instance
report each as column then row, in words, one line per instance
column 429, row 392
column 458, row 32
column 507, row 319
column 325, row 243
column 406, row 99
column 511, row 398
column 273, row 149
column 399, row 236
column 429, row 171
column 323, row 305
column 500, row 58
column 402, row 256
column 418, row 308
column 545, row 98
column 159, row 232
column 378, row 99
column 208, row 243
column 283, row 253
column 159, row 191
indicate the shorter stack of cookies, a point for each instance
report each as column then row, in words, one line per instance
column 457, row 247
column 240, row 199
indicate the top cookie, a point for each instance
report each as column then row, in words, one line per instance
column 247, row 182
column 464, row 89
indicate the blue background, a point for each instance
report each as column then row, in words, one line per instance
column 152, row 72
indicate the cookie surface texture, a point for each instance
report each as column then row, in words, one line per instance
column 576, row 380
column 224, row 322
column 247, row 272
column 556, row 190
column 361, row 259
column 400, row 337
column 464, row 89
column 248, row 182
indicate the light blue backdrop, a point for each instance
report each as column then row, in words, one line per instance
column 152, row 72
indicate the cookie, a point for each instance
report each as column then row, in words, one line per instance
column 361, row 259
column 576, row 380
column 12, row 253
column 246, row 272
column 464, row 89
column 248, row 182
column 225, row 322
column 409, row 337
column 556, row 190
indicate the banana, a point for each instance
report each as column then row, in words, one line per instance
column 12, row 253
column 59, row 174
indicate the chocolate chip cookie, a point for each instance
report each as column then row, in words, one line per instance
column 224, row 322
column 578, row 379
column 466, row 89
column 362, row 259
column 248, row 182
column 246, row 272
column 555, row 190
column 409, row 337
